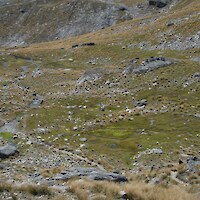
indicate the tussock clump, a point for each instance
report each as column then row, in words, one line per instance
column 35, row 190
column 5, row 187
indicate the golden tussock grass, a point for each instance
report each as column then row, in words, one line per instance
column 135, row 191
column 36, row 190
column 5, row 186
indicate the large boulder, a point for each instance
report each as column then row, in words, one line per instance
column 90, row 76
column 192, row 163
column 91, row 173
column 148, row 65
column 8, row 150
column 159, row 3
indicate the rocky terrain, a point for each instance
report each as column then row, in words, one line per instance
column 40, row 21
column 107, row 106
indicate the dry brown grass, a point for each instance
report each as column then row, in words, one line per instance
column 51, row 171
column 35, row 190
column 142, row 191
column 111, row 190
column 135, row 191
column 5, row 186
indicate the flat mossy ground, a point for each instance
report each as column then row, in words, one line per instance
column 170, row 121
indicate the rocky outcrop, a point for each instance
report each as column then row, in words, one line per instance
column 91, row 173
column 23, row 22
column 192, row 163
column 148, row 65
column 90, row 76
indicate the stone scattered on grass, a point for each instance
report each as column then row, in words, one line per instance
column 192, row 162
column 83, row 139
column 155, row 151
column 141, row 103
column 159, row 3
column 37, row 101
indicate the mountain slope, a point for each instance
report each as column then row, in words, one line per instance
column 25, row 22
column 125, row 98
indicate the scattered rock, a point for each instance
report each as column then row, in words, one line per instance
column 41, row 130
column 4, row 166
column 10, row 127
column 75, row 46
column 24, row 72
column 192, row 162
column 123, row 195
column 37, row 101
column 170, row 24
column 8, row 150
column 155, row 151
column 141, row 103
column 159, row 3
column 71, row 59
column 37, row 72
column 103, row 107
column 178, row 43
column 88, row 44
column 83, row 139
column 75, row 128
column 197, row 59
column 1, row 122
column 196, row 75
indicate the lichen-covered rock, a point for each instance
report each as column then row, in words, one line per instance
column 91, row 173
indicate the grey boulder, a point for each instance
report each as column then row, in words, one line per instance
column 155, row 151
column 192, row 163
column 90, row 76
column 148, row 65
column 8, row 150
column 159, row 3
column 141, row 103
column 91, row 173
